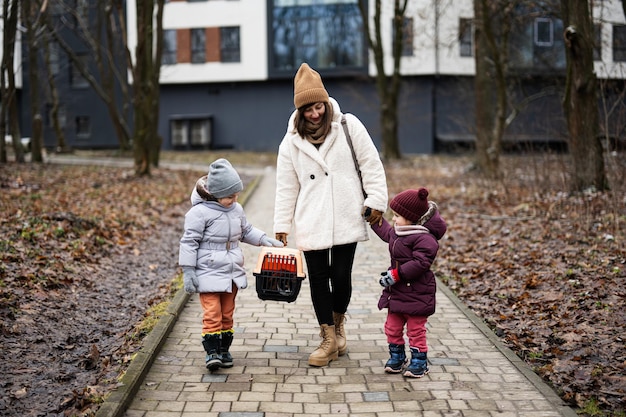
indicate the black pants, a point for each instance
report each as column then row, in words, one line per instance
column 330, row 278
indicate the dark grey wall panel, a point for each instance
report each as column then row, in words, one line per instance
column 253, row 116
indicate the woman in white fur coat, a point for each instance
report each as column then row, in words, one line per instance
column 319, row 197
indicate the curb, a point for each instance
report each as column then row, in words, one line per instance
column 118, row 400
column 521, row 366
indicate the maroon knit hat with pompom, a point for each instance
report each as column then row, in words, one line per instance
column 411, row 204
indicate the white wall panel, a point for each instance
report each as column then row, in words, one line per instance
column 249, row 15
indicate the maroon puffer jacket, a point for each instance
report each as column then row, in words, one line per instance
column 413, row 250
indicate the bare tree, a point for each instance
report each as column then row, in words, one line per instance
column 102, row 36
column 7, row 83
column 31, row 19
column 388, row 87
column 146, row 73
column 52, row 91
column 493, row 25
column 580, row 103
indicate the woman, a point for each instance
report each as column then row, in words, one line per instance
column 320, row 195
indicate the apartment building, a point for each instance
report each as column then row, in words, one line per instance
column 228, row 67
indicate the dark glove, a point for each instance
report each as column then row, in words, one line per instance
column 388, row 278
column 268, row 241
column 282, row 237
column 373, row 216
column 190, row 280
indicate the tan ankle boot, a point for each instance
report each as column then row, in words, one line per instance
column 340, row 333
column 327, row 350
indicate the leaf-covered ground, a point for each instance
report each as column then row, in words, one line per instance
column 85, row 251
column 546, row 270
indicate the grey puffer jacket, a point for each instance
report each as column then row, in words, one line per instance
column 211, row 240
column 413, row 250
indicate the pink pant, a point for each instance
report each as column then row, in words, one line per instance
column 415, row 330
column 219, row 308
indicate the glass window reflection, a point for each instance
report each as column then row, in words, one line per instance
column 325, row 33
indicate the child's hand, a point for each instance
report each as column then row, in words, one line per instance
column 388, row 278
column 190, row 280
column 268, row 241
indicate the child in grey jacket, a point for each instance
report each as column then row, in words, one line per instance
column 211, row 259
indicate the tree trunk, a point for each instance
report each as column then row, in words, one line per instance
column 155, row 139
column 580, row 103
column 388, row 87
column 492, row 27
column 29, row 17
column 3, row 82
column 146, row 76
column 61, row 142
column 484, row 91
column 9, row 102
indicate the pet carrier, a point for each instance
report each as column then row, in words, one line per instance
column 279, row 274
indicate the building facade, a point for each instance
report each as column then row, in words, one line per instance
column 228, row 67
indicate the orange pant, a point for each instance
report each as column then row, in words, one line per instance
column 219, row 308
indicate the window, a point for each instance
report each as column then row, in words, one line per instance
column 83, row 127
column 199, row 133
column 55, row 57
column 328, row 34
column 597, row 42
column 179, row 133
column 169, row 47
column 76, row 77
column 619, row 43
column 229, row 44
column 81, row 12
column 198, row 49
column 544, row 32
column 407, row 36
column 191, row 131
column 466, row 41
column 56, row 8
column 537, row 45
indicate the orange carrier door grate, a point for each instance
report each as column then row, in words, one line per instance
column 279, row 263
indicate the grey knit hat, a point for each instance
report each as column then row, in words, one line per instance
column 223, row 180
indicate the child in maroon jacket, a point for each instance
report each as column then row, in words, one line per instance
column 409, row 284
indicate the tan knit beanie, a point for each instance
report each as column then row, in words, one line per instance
column 308, row 87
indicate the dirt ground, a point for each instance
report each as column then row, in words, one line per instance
column 86, row 251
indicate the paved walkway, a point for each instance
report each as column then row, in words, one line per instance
column 471, row 373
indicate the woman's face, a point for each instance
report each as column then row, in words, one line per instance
column 315, row 112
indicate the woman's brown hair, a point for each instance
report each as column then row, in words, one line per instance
column 300, row 121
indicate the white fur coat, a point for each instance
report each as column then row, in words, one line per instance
column 318, row 194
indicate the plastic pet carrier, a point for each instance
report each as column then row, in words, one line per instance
column 279, row 274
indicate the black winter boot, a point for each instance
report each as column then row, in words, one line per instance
column 418, row 366
column 397, row 359
column 227, row 339
column 211, row 343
